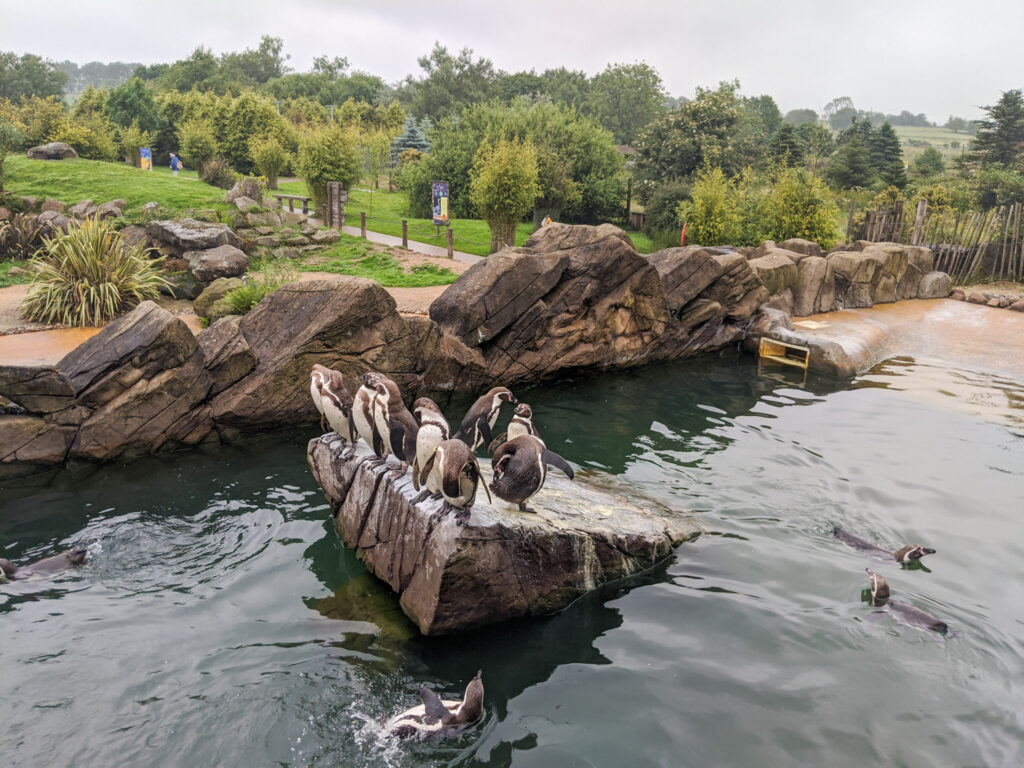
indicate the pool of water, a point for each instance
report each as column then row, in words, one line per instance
column 221, row 622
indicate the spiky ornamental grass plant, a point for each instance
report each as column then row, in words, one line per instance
column 88, row 276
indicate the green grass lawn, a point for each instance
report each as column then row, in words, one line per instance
column 361, row 258
column 73, row 180
column 942, row 139
column 7, row 279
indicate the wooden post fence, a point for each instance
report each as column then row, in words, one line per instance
column 451, row 243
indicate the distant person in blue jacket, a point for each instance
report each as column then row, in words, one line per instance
column 175, row 164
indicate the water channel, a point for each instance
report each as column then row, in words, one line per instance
column 221, row 622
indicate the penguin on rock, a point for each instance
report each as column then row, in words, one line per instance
column 481, row 417
column 521, row 467
column 521, row 424
column 433, row 431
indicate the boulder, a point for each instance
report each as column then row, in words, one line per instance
column 284, row 217
column 38, row 390
column 181, row 284
column 150, row 206
column 1017, row 305
column 222, row 261
column 958, row 294
column 190, row 235
column 49, row 204
column 503, row 563
column 82, row 209
column 29, row 442
column 110, row 210
column 228, row 356
column 247, row 187
column 213, row 293
column 50, row 222
column 55, row 150
column 801, row 246
column 854, row 273
column 815, row 289
column 976, row 297
column 685, row 272
column 776, row 270
column 267, row 241
column 244, row 203
column 133, row 235
column 325, row 237
column 30, row 203
column 935, row 285
column 738, row 289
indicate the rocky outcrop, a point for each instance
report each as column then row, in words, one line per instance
column 934, row 285
column 685, row 273
column 205, row 303
column 213, row 263
column 503, row 563
column 815, row 290
column 877, row 273
column 245, row 187
column 228, row 356
column 183, row 235
column 55, row 150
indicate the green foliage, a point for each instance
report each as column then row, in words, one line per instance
column 799, row 205
column 851, row 165
column 269, row 157
column 218, row 173
column 503, row 187
column 6, row 278
column 995, row 186
column 198, row 144
column 352, row 256
column 929, row 163
column 28, row 76
column 1000, row 137
column 132, row 102
column 91, row 135
column 87, row 276
column 662, row 210
column 713, row 215
column 887, row 157
column 131, row 139
column 450, row 83
column 41, row 118
column 326, row 155
column 20, row 237
column 11, row 138
column 250, row 117
column 259, row 284
column 800, row 117
column 626, row 97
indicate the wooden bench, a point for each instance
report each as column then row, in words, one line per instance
column 291, row 202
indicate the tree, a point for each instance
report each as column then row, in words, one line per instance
column 451, row 83
column 800, row 116
column 130, row 140
column 412, row 137
column 930, row 163
column 254, row 67
column 509, row 87
column 11, row 138
column 767, row 111
column 198, row 143
column 851, row 165
column 375, row 151
column 625, row 98
column 327, row 155
column 820, row 144
column 955, row 124
column 269, row 157
column 799, row 205
column 42, row 118
column 504, row 186
column 712, row 216
column 565, row 86
column 29, row 76
column 132, row 102
column 1000, row 137
column 787, row 147
column 250, row 116
column 887, row 156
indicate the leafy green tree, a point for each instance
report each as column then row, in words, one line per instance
column 662, row 209
column 625, row 98
column 200, row 71
column 254, row 67
column 767, row 111
column 800, row 205
column 887, row 156
column 566, row 86
column 11, row 139
column 800, row 116
column 451, row 83
column 251, row 116
column 929, row 163
column 91, row 103
column 132, row 102
column 198, row 143
column 787, row 147
column 508, row 87
column 1000, row 137
column 851, row 166
column 327, row 155
column 269, row 157
column 42, row 119
column 998, row 186
column 819, row 143
column 28, row 76
column 412, row 137
column 375, row 152
column 130, row 140
column 504, row 187
column 956, row 124
column 712, row 215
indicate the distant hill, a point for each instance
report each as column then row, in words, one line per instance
column 916, row 139
column 96, row 74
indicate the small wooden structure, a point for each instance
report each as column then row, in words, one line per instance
column 336, row 199
column 291, row 201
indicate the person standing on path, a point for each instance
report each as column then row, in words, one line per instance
column 175, row 164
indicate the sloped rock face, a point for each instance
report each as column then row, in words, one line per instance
column 503, row 563
column 190, row 235
column 815, row 290
column 877, row 273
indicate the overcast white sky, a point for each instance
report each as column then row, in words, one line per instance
column 933, row 56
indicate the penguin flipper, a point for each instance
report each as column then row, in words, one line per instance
column 378, row 442
column 502, row 438
column 425, row 472
column 416, row 473
column 479, row 477
column 398, row 441
column 433, row 708
column 554, row 460
column 484, row 430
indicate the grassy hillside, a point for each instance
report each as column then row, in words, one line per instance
column 915, row 140
column 73, row 180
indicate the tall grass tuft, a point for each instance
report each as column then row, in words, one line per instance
column 88, row 276
column 258, row 285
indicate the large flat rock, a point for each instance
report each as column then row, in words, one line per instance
column 503, row 563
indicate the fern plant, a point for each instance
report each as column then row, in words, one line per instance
column 88, row 276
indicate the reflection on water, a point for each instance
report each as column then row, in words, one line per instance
column 221, row 622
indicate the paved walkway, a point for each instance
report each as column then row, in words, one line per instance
column 427, row 248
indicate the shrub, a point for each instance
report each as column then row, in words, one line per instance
column 258, row 285
column 327, row 155
column 198, row 144
column 218, row 173
column 131, row 139
column 269, row 157
column 91, row 135
column 662, row 209
column 713, row 215
column 504, row 186
column 20, row 237
column 88, row 276
column 11, row 138
column 800, row 206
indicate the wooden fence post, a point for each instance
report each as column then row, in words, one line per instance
column 405, row 234
column 451, row 243
column 362, row 224
column 922, row 207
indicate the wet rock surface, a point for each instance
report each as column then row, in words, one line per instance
column 503, row 563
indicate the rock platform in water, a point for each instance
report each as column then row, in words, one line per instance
column 503, row 563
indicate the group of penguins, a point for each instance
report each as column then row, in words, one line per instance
column 443, row 465
column 880, row 587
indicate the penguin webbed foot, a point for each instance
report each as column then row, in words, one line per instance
column 443, row 510
column 420, row 496
column 462, row 516
column 524, row 508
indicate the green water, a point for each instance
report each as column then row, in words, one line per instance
column 221, row 623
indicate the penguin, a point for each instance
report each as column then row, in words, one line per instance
column 521, row 467
column 480, row 419
column 904, row 555
column 521, row 424
column 906, row 612
column 437, row 717
column 433, row 431
column 396, row 427
column 454, row 472
column 45, row 567
column 337, row 405
column 317, row 377
column 361, row 414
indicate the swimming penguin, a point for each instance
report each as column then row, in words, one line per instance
column 904, row 555
column 453, row 472
column 480, row 419
column 362, row 414
column 437, row 717
column 337, row 405
column 521, row 424
column 520, row 468
column 904, row 611
column 433, row 431
column 395, row 425
column 45, row 567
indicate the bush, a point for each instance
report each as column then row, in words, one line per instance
column 88, row 276
column 327, row 155
column 269, row 157
column 20, row 237
column 198, row 144
column 712, row 216
column 800, row 205
column 503, row 187
column 662, row 209
column 217, row 172
column 131, row 139
column 258, row 285
column 11, row 138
